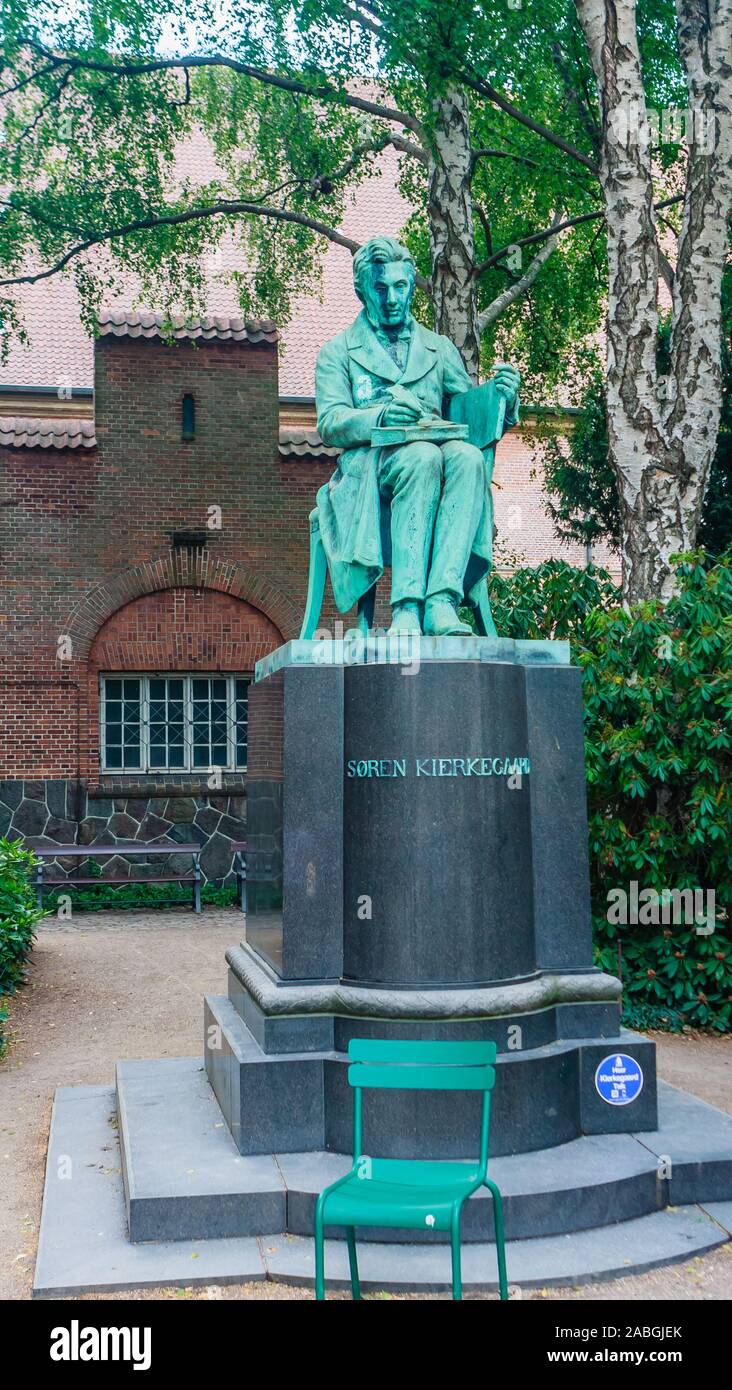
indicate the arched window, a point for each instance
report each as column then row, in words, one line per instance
column 188, row 417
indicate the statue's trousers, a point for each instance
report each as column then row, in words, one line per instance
column 437, row 494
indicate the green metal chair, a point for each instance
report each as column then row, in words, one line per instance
column 411, row 1193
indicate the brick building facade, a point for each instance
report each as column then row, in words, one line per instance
column 150, row 556
column 132, row 556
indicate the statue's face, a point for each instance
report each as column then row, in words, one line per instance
column 389, row 294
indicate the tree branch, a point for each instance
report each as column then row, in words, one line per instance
column 322, row 183
column 553, row 231
column 485, row 224
column 287, row 84
column 478, row 84
column 484, row 153
column 226, row 208
column 524, row 283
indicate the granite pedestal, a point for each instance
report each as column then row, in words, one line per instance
column 417, row 867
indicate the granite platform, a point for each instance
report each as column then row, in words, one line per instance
column 141, row 1165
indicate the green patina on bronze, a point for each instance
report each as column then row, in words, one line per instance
column 388, row 373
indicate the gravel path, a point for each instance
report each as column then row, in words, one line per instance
column 129, row 984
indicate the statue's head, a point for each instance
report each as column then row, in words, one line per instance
column 383, row 278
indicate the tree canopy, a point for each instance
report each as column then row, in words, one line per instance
column 296, row 103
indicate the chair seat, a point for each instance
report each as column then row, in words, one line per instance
column 398, row 1192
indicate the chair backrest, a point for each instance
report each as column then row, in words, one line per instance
column 378, row 1064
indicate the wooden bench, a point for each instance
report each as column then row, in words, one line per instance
column 128, row 850
column 261, row 864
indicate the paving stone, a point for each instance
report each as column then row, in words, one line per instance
column 30, row 817
column 84, row 1246
column 721, row 1212
column 122, row 826
column 152, row 827
column 56, row 799
column 216, row 857
column 208, row 819
column 90, row 829
column 234, row 829
column 62, row 831
column 180, row 808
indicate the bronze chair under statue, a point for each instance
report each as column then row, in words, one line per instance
column 413, row 484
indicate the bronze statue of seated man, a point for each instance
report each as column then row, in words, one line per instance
column 386, row 374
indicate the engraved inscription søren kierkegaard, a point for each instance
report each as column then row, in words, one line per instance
column 438, row 767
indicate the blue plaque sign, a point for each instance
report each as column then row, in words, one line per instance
column 619, row 1079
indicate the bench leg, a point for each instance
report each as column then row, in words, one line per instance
column 196, row 883
column 316, row 583
column 241, row 883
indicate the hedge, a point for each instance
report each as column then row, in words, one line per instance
column 658, row 745
column 18, row 918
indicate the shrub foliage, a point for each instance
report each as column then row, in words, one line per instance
column 18, row 918
column 658, row 747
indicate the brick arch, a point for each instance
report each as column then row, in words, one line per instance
column 184, row 628
column 180, row 569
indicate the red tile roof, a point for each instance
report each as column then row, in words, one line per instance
column 20, row 432
column 60, row 351
column 36, row 432
column 293, row 441
column 128, row 323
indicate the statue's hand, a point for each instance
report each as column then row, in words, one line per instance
column 506, row 379
column 404, row 409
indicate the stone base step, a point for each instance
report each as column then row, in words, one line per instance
column 609, row 1252
column 84, row 1247
column 185, row 1179
column 294, row 1102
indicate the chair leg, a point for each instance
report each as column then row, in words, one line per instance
column 366, row 605
column 500, row 1238
column 319, row 1255
column 457, row 1280
column 483, row 616
column 353, row 1262
column 316, row 583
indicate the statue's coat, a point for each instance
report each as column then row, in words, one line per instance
column 352, row 380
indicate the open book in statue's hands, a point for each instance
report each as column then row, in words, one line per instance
column 411, row 424
column 485, row 409
column 429, row 427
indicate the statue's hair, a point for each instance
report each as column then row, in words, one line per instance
column 378, row 251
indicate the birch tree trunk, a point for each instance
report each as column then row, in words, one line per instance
column 662, row 430
column 692, row 410
column 450, row 215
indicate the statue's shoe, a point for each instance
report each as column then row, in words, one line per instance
column 441, row 620
column 405, row 618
